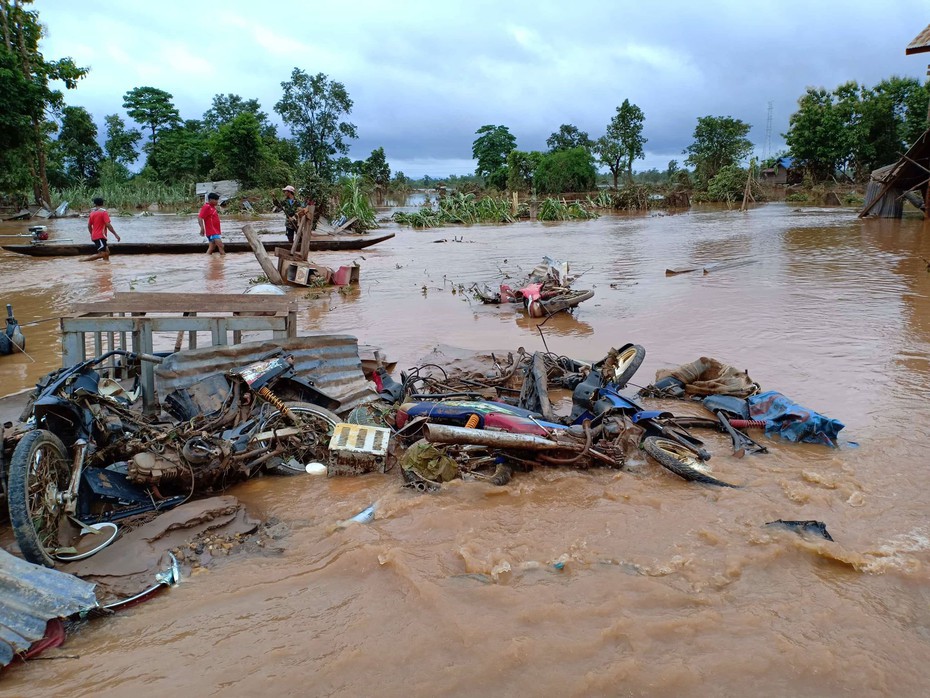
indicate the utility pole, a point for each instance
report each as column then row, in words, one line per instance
column 767, row 150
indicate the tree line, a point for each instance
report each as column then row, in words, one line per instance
column 47, row 145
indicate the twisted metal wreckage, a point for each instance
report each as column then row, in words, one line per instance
column 88, row 456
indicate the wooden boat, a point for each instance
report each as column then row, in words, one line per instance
column 319, row 244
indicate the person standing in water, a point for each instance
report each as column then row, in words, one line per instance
column 99, row 225
column 291, row 206
column 209, row 219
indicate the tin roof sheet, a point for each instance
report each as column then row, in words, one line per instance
column 30, row 596
column 920, row 44
column 331, row 361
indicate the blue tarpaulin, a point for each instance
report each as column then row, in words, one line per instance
column 791, row 421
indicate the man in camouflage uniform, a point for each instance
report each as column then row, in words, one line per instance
column 291, row 205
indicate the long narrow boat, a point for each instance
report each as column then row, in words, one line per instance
column 317, row 244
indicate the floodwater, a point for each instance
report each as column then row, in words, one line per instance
column 667, row 588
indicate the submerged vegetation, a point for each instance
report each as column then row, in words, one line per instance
column 136, row 193
column 355, row 203
column 466, row 209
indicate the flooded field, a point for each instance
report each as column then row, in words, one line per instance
column 667, row 588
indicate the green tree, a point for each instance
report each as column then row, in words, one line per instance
column 401, row 186
column 227, row 107
column 377, row 171
column 285, row 150
column 490, row 149
column 671, row 170
column 567, row 137
column 183, row 153
column 15, row 123
column 623, row 142
column 238, row 150
column 820, row 134
column 121, row 142
column 31, row 98
column 152, row 108
column 856, row 129
column 77, row 141
column 718, row 141
column 376, row 167
column 565, row 171
column 728, row 184
column 313, row 107
column 894, row 115
column 520, row 168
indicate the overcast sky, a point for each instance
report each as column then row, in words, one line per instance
column 424, row 76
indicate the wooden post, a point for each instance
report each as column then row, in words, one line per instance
column 297, row 235
column 307, row 225
column 263, row 259
column 747, row 190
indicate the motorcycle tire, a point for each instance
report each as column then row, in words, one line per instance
column 39, row 469
column 681, row 461
column 628, row 362
column 312, row 446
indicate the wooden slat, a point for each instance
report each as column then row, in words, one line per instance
column 200, row 303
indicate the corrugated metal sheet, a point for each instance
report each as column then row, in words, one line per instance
column 30, row 596
column 330, row 361
column 920, row 44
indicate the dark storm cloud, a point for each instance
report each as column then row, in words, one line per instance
column 424, row 76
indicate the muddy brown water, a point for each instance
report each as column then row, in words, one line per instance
column 667, row 588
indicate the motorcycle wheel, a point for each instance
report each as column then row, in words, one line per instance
column 673, row 456
column 628, row 363
column 310, row 445
column 39, row 470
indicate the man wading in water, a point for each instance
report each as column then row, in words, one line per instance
column 98, row 225
column 291, row 206
column 209, row 219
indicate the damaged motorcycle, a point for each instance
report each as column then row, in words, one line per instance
column 602, row 423
column 92, row 457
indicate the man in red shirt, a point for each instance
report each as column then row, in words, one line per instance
column 209, row 220
column 98, row 224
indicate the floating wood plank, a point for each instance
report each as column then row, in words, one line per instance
column 680, row 270
column 728, row 265
column 22, row 215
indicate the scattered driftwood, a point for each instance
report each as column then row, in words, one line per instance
column 672, row 271
column 680, row 270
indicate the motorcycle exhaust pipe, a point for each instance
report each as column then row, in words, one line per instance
column 444, row 434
